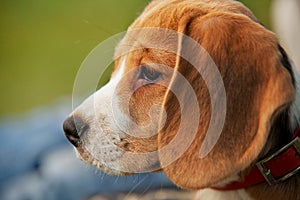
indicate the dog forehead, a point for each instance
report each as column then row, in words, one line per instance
column 168, row 13
column 148, row 46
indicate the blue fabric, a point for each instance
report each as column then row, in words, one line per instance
column 37, row 162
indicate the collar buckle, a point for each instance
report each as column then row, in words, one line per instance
column 267, row 173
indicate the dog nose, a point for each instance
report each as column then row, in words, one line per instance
column 72, row 126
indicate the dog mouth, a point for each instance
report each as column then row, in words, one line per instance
column 108, row 148
column 109, row 167
column 93, row 146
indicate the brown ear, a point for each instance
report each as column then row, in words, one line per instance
column 257, row 89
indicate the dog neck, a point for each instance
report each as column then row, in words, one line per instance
column 295, row 108
column 280, row 134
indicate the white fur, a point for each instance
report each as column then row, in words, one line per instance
column 99, row 141
column 286, row 20
column 108, row 125
column 118, row 75
column 104, row 133
column 211, row 194
column 295, row 109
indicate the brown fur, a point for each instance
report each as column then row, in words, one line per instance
column 252, row 101
column 257, row 86
column 259, row 90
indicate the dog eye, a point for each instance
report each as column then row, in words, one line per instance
column 149, row 74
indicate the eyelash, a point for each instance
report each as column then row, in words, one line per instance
column 149, row 74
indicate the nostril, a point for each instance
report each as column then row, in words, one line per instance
column 72, row 127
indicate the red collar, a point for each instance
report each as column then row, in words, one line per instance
column 276, row 168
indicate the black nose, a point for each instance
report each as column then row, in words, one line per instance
column 72, row 127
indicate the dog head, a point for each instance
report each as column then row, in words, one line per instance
column 185, row 68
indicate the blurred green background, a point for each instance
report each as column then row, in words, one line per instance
column 43, row 43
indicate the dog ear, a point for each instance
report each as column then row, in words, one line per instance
column 257, row 89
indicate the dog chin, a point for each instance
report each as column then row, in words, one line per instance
column 90, row 160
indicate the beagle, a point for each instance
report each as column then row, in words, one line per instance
column 203, row 92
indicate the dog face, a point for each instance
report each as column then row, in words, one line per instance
column 128, row 125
